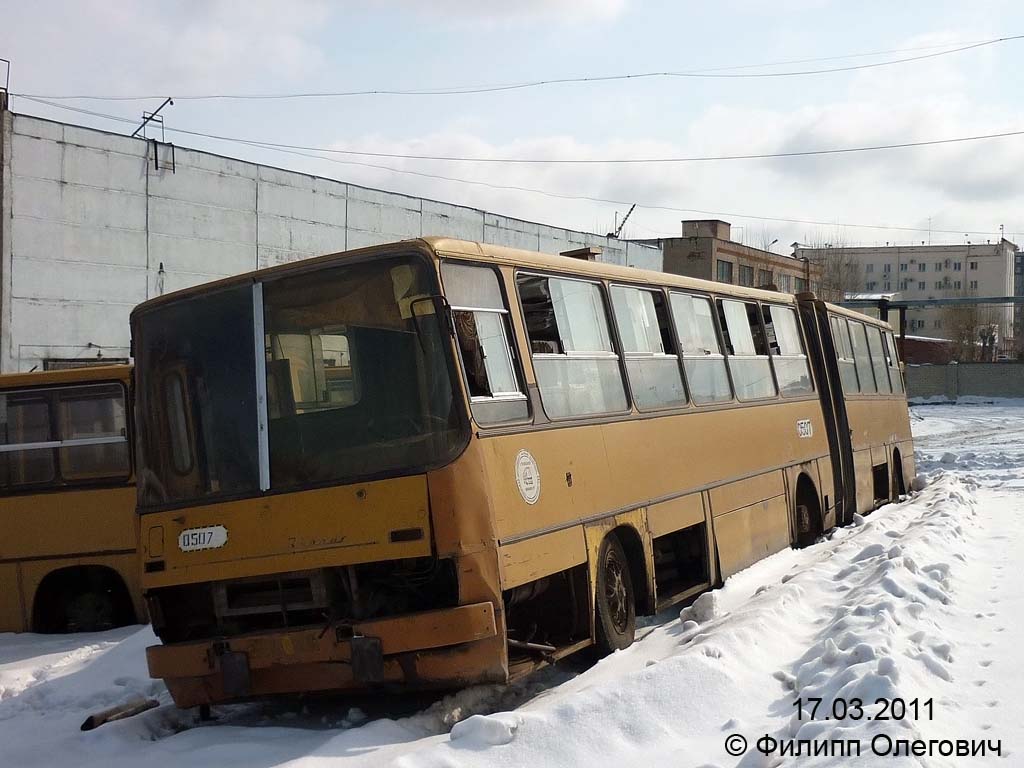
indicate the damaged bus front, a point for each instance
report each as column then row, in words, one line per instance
column 288, row 425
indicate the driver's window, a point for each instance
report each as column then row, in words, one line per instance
column 484, row 340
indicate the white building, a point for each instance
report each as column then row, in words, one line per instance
column 934, row 272
column 93, row 223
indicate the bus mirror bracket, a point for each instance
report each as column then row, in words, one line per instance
column 442, row 309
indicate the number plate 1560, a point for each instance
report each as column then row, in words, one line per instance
column 194, row 539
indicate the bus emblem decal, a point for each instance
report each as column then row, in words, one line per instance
column 804, row 428
column 527, row 477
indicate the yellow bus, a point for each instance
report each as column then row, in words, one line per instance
column 436, row 463
column 68, row 554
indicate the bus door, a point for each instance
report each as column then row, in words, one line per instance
column 822, row 353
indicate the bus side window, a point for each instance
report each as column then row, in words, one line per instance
column 483, row 333
column 93, row 413
column 844, row 354
column 895, row 375
column 703, row 361
column 747, row 348
column 878, row 361
column 575, row 362
column 24, row 421
column 862, row 357
column 788, row 357
column 655, row 377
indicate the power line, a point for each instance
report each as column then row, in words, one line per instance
column 565, row 161
column 709, row 73
column 283, row 149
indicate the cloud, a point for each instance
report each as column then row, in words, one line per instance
column 172, row 47
column 517, row 11
column 968, row 186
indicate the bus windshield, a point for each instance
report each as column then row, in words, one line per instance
column 355, row 368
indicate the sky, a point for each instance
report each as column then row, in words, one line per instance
column 183, row 48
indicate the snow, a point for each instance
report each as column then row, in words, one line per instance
column 918, row 600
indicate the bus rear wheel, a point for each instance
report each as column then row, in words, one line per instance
column 615, row 601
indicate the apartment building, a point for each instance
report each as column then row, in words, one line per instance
column 706, row 250
column 935, row 272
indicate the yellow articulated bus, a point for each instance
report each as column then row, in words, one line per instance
column 437, row 463
column 68, row 554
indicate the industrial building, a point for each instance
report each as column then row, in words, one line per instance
column 93, row 223
column 706, row 250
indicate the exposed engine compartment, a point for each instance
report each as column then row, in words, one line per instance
column 323, row 596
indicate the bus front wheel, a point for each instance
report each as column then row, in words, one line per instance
column 615, row 602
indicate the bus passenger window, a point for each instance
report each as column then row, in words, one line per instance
column 844, row 354
column 94, row 416
column 863, row 358
column 703, row 361
column 25, row 420
column 878, row 360
column 791, row 368
column 576, row 365
column 654, row 374
column 892, row 360
column 747, row 348
column 481, row 326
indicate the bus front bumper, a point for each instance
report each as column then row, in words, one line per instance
column 433, row 649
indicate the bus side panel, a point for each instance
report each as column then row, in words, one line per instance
column 865, row 484
column 748, row 534
column 68, row 523
column 878, row 424
column 906, row 448
column 751, row 521
column 11, row 617
column 532, row 559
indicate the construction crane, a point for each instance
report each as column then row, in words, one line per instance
column 618, row 228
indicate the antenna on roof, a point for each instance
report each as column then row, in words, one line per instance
column 148, row 117
column 621, row 224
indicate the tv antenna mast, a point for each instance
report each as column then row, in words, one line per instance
column 620, row 224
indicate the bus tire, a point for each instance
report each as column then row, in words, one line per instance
column 615, row 600
column 809, row 525
column 81, row 599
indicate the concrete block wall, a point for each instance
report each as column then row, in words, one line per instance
column 948, row 382
column 94, row 223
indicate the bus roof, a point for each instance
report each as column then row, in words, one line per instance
column 854, row 314
column 498, row 254
column 120, row 372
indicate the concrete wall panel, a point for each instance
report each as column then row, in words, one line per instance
column 94, row 216
column 453, row 221
column 36, row 158
column 201, row 256
column 226, row 225
column 70, row 281
column 42, row 239
column 108, row 170
column 69, row 203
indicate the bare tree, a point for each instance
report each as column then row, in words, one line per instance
column 973, row 329
column 841, row 270
column 765, row 240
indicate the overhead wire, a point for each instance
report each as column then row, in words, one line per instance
column 285, row 149
column 560, row 161
column 708, row 73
